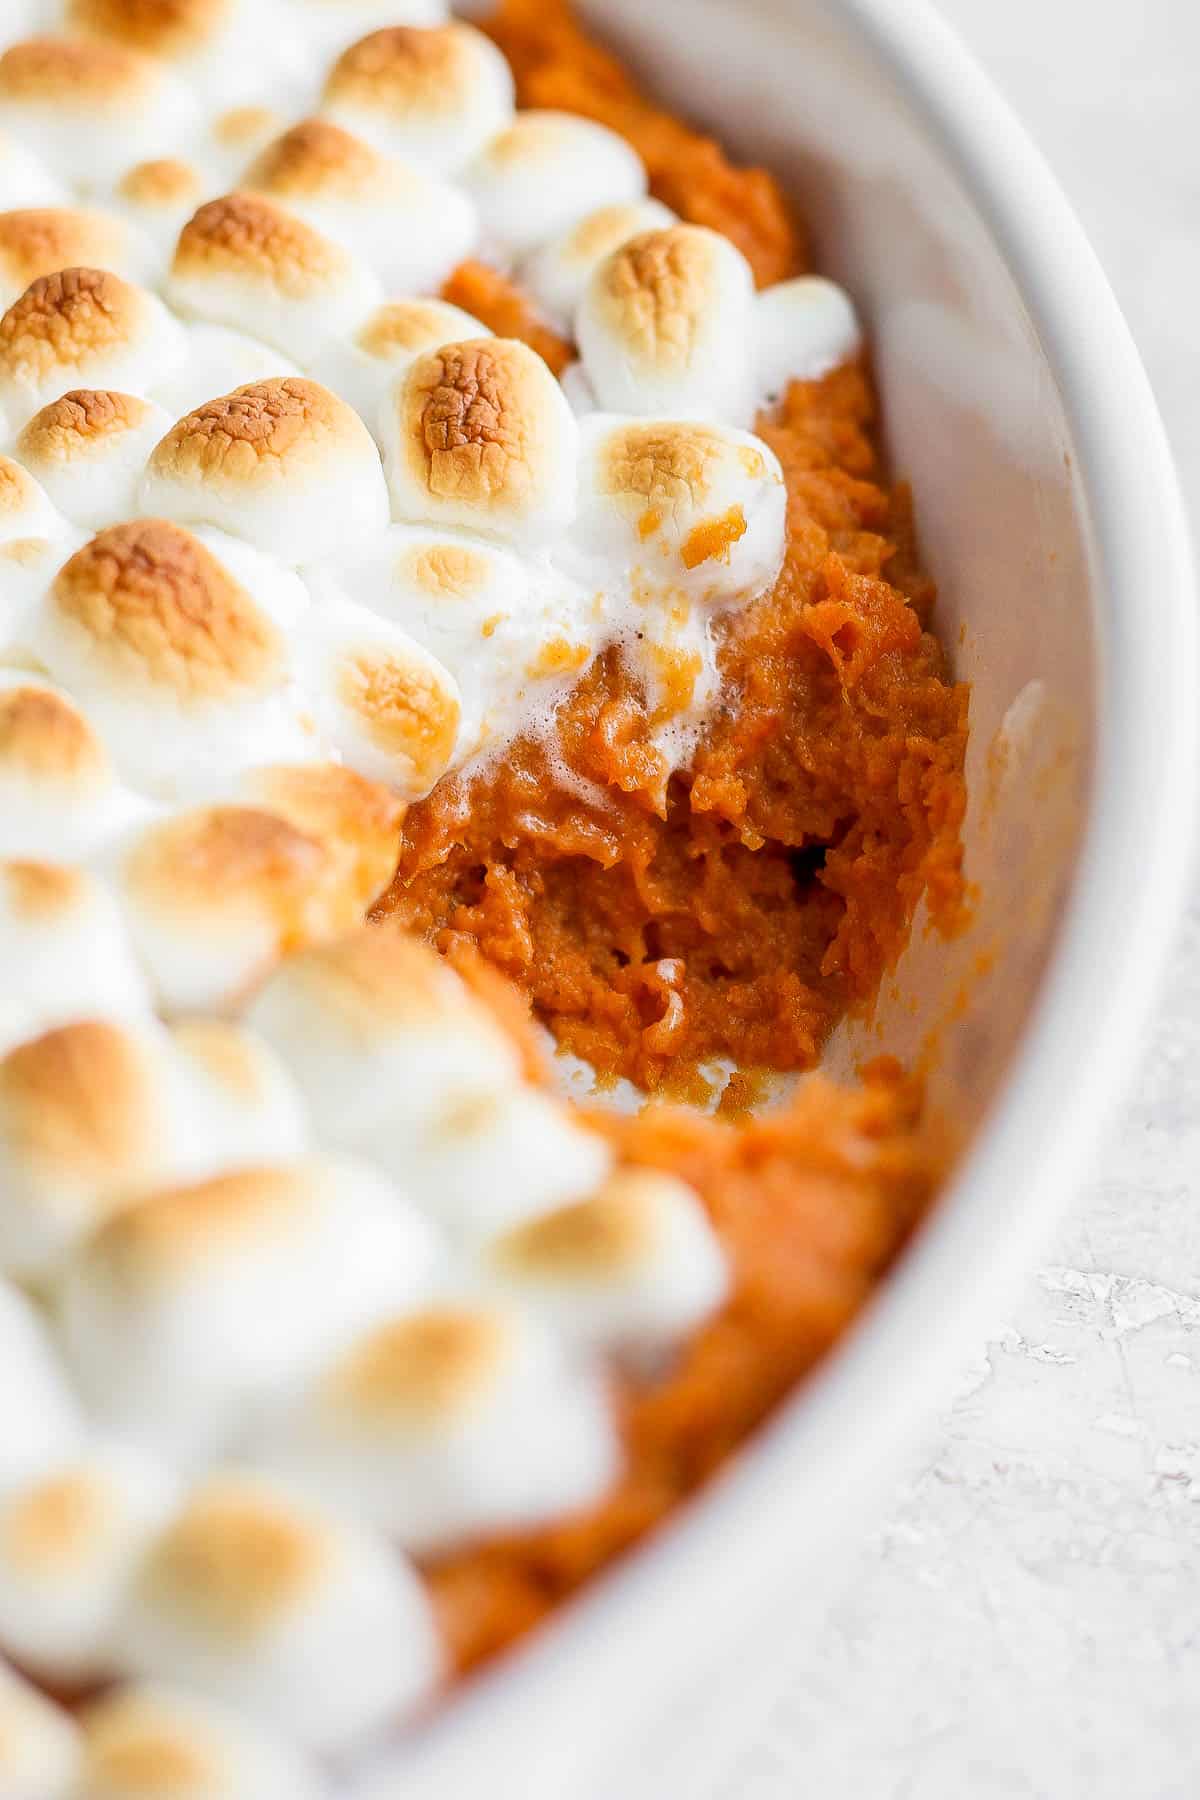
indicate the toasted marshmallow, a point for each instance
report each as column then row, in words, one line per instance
column 544, row 172
column 479, row 434
column 244, row 261
column 63, row 951
column 363, row 365
column 359, row 820
column 40, row 1746
column 409, row 226
column 685, row 506
column 235, row 137
column 174, row 642
column 636, row 1264
column 158, row 1743
column 293, row 1616
column 70, row 1542
column 90, row 108
column 445, row 1423
column 381, row 1035
column 181, row 1314
column 557, row 272
column 388, row 707
column 329, row 26
column 241, row 1102
column 59, row 795
column 39, row 240
column 24, row 180
column 430, row 96
column 42, row 1424
column 508, row 630
column 214, row 895
column 83, row 328
column 225, row 51
column 88, row 449
column 159, row 196
column 216, row 361
column 666, row 325
column 25, row 509
column 802, row 329
column 284, row 464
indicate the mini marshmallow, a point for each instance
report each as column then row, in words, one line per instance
column 443, row 1424
column 244, row 261
column 381, row 1035
column 241, row 1104
column 429, row 96
column 40, row 240
column 388, row 707
column 42, row 1423
column 183, row 1313
column 362, row 366
column 175, row 644
column 581, row 395
column 63, row 951
column 683, row 505
column 88, row 449
column 59, row 795
column 803, row 328
column 70, row 1543
column 24, row 180
column 25, row 508
column 666, row 325
column 159, row 196
column 479, row 434
column 329, row 26
column 284, row 464
column 557, row 273
column 544, row 172
column 357, row 819
column 90, row 108
column 149, row 1742
column 83, row 328
column 224, row 51
column 412, row 228
column 636, row 1264
column 214, row 895
column 216, row 361
column 295, row 1617
column 39, row 1743
column 27, row 567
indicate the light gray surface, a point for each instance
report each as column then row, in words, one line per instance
column 1026, row 1624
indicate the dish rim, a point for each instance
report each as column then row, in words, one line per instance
column 1128, row 891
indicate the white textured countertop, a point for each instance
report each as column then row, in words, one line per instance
column 1026, row 1624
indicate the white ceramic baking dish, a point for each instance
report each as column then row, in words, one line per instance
column 1049, row 514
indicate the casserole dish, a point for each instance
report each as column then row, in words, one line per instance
column 1051, row 520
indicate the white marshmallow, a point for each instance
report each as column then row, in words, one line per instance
column 70, row 1542
column 284, row 464
column 684, row 506
column 27, row 567
column 39, row 240
column 158, row 1743
column 215, row 362
column 544, row 172
column 24, row 180
column 42, row 1423
column 235, row 137
column 63, row 952
column 83, row 328
column 635, row 1265
column 510, row 631
column 666, row 326
column 175, row 644
column 432, row 97
column 479, row 434
column 381, row 1035
column 241, row 1104
column 405, row 223
column 225, row 53
column 214, row 895
column 26, row 511
column 802, row 329
column 329, row 26
column 443, row 1424
column 557, row 272
column 88, row 449
column 358, row 820
column 59, row 795
column 293, row 1616
column 90, row 108
column 581, row 395
column 182, row 1314
column 246, row 262
column 159, row 197
column 362, row 367
column 39, row 1743
column 388, row 708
